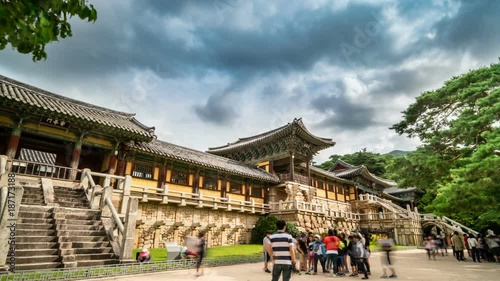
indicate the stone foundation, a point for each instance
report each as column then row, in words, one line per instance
column 159, row 223
column 316, row 223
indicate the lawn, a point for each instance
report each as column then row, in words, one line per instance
column 160, row 254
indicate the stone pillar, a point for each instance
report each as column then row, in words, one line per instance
column 272, row 194
column 14, row 142
column 128, row 234
column 292, row 167
column 75, row 157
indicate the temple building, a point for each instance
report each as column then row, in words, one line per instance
column 63, row 146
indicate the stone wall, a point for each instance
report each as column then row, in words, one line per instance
column 316, row 223
column 159, row 223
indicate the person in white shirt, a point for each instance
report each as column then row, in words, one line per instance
column 474, row 246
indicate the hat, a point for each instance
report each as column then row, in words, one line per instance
column 303, row 235
column 317, row 236
column 144, row 252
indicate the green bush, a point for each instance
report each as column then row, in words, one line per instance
column 263, row 225
column 268, row 223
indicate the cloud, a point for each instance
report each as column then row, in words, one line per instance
column 217, row 110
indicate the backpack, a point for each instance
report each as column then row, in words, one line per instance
column 341, row 245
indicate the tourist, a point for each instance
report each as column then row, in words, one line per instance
column 332, row 250
column 483, row 248
column 295, row 249
column 458, row 243
column 201, row 252
column 452, row 246
column 386, row 260
column 342, row 257
column 282, row 252
column 466, row 244
column 352, row 260
column 493, row 243
column 143, row 256
column 319, row 254
column 303, row 252
column 267, row 257
column 474, row 246
column 311, row 253
column 366, row 257
column 358, row 253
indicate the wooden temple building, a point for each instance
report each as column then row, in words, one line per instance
column 182, row 191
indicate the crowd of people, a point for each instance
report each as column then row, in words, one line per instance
column 477, row 247
column 338, row 254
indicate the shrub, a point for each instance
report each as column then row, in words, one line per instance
column 268, row 223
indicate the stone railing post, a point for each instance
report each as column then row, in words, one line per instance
column 164, row 198
column 3, row 164
column 127, row 244
column 126, row 194
column 107, row 181
column 48, row 192
column 200, row 199
column 106, row 192
column 84, row 180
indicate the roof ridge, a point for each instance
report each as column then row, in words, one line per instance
column 48, row 94
column 250, row 137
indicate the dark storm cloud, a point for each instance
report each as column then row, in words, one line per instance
column 217, row 110
column 341, row 113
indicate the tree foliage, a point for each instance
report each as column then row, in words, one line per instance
column 28, row 25
column 268, row 223
column 375, row 162
column 459, row 126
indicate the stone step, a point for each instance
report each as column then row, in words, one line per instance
column 77, row 232
column 73, row 205
column 89, row 244
column 84, row 239
column 32, row 202
column 100, row 256
column 37, row 259
column 85, row 263
column 35, row 232
column 36, row 245
column 36, row 252
column 84, row 222
column 70, row 199
column 35, row 221
column 31, row 226
column 33, row 196
column 84, row 227
column 99, row 250
column 41, row 215
column 32, row 239
column 44, row 265
column 82, row 217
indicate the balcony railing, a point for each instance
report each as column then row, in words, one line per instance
column 296, row 178
column 313, row 208
column 30, row 168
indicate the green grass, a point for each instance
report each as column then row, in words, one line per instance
column 237, row 250
column 160, row 254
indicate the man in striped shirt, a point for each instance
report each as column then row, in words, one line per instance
column 281, row 249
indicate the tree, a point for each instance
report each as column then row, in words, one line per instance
column 263, row 225
column 459, row 126
column 29, row 25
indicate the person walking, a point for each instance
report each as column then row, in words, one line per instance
column 458, row 243
column 282, row 252
column 474, row 246
column 201, row 253
column 267, row 257
column 386, row 260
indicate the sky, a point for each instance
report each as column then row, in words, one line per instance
column 206, row 73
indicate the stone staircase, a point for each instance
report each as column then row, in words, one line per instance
column 68, row 234
column 36, row 240
column 83, row 236
column 71, row 197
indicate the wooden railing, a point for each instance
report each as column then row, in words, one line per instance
column 41, row 169
column 296, row 178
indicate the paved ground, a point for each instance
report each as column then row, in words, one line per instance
column 410, row 265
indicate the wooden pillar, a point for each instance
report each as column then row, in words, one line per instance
column 162, row 177
column 271, row 167
column 75, row 157
column 196, row 181
column 336, row 189
column 325, row 187
column 112, row 162
column 14, row 142
column 308, row 170
column 247, row 191
column 223, row 188
column 292, row 167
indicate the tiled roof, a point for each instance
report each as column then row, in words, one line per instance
column 204, row 159
column 16, row 94
column 297, row 126
column 351, row 171
column 328, row 174
column 396, row 190
column 37, row 156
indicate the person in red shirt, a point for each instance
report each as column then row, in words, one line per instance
column 332, row 251
column 466, row 243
